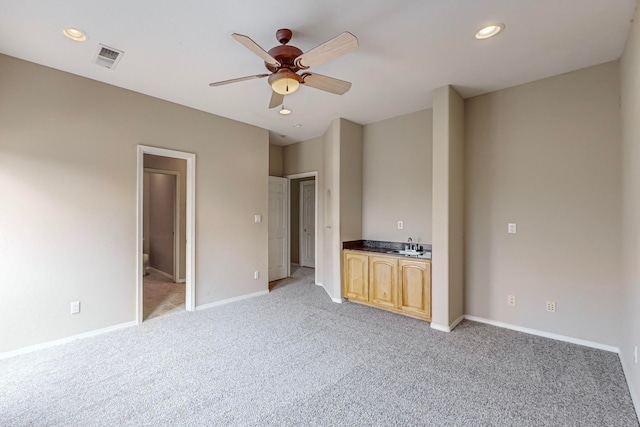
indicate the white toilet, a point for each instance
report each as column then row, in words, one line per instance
column 145, row 263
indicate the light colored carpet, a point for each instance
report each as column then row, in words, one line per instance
column 295, row 358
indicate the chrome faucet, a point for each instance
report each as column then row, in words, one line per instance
column 410, row 243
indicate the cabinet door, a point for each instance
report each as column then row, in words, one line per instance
column 415, row 288
column 383, row 281
column 355, row 280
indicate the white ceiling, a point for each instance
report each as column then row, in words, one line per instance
column 174, row 49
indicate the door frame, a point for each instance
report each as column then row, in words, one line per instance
column 190, row 283
column 176, row 220
column 301, row 220
column 297, row 176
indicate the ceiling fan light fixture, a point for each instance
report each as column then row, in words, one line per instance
column 489, row 31
column 74, row 34
column 284, row 82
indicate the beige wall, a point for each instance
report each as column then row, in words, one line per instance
column 276, row 160
column 350, row 164
column 331, row 207
column 68, row 148
column 630, row 90
column 447, row 284
column 303, row 157
column 397, row 156
column 176, row 165
column 546, row 155
column 162, row 194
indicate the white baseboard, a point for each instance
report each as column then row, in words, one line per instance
column 182, row 281
column 439, row 327
column 61, row 341
column 632, row 391
column 339, row 300
column 456, row 322
column 162, row 273
column 444, row 328
column 551, row 335
column 230, row 300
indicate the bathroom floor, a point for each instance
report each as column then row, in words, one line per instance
column 161, row 296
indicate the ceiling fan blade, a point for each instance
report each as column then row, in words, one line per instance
column 344, row 43
column 255, row 48
column 276, row 99
column 328, row 84
column 241, row 79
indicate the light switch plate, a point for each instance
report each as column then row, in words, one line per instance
column 400, row 225
column 512, row 229
column 257, row 218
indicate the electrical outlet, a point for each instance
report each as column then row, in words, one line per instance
column 635, row 354
column 511, row 300
column 75, row 307
column 551, row 306
column 256, row 274
column 512, row 228
column 400, row 225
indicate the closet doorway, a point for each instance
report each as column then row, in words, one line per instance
column 165, row 236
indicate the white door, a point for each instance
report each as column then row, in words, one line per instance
column 308, row 224
column 278, row 228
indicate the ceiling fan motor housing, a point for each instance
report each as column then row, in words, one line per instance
column 286, row 56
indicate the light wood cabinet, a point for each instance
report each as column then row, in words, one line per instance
column 398, row 284
column 355, row 276
column 414, row 294
column 383, row 281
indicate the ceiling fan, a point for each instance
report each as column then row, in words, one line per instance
column 285, row 61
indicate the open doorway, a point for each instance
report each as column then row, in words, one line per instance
column 166, row 235
column 163, row 232
column 303, row 222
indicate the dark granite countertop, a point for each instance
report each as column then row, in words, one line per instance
column 382, row 247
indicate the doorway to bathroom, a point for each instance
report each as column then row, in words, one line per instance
column 166, row 235
column 163, row 234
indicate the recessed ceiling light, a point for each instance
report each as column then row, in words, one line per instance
column 74, row 34
column 297, row 125
column 489, row 31
column 284, row 111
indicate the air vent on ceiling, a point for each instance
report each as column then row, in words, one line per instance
column 108, row 57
